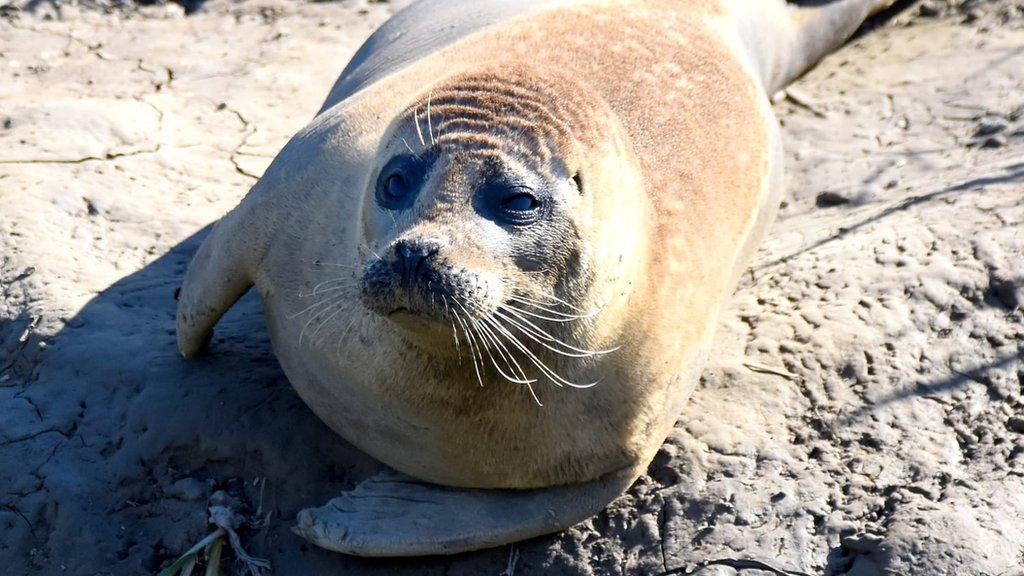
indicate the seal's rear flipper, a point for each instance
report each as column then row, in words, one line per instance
column 392, row 514
column 785, row 38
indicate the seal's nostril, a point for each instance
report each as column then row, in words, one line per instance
column 411, row 256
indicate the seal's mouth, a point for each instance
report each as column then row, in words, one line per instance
column 403, row 312
column 416, row 320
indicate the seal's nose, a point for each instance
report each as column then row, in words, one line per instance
column 412, row 256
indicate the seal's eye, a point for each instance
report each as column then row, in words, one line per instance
column 518, row 206
column 395, row 187
column 512, row 200
column 520, row 202
column 399, row 182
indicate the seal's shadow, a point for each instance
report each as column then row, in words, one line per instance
column 143, row 437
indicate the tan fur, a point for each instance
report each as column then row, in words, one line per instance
column 674, row 137
column 700, row 127
column 648, row 121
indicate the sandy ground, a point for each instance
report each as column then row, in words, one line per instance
column 863, row 412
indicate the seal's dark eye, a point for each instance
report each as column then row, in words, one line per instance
column 512, row 200
column 395, row 187
column 520, row 202
column 399, row 182
column 517, row 206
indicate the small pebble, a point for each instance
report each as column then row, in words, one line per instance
column 1016, row 424
column 995, row 141
column 991, row 126
column 830, row 199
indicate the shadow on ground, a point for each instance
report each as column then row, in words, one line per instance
column 116, row 442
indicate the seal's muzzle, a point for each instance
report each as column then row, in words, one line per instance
column 419, row 278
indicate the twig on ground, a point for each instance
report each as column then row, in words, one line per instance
column 736, row 564
column 513, row 559
column 226, row 520
column 770, row 370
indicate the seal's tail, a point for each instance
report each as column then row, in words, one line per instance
column 785, row 39
column 394, row 515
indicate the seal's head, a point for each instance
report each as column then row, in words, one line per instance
column 484, row 212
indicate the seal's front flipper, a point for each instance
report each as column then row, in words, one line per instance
column 392, row 514
column 218, row 276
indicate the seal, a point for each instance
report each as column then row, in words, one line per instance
column 495, row 259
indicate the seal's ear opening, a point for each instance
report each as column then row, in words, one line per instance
column 218, row 276
column 578, row 180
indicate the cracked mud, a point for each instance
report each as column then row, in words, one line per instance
column 863, row 412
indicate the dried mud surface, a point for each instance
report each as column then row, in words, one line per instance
column 863, row 412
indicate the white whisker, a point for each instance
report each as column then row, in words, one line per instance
column 455, row 332
column 488, row 334
column 472, row 351
column 318, row 289
column 340, row 308
column 555, row 299
column 548, row 310
column 419, row 132
column 320, row 302
column 332, row 264
column 407, row 147
column 554, row 376
column 430, row 123
column 317, row 314
column 538, row 334
column 345, row 333
column 564, row 320
column 509, row 357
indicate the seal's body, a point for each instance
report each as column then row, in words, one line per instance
column 496, row 257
